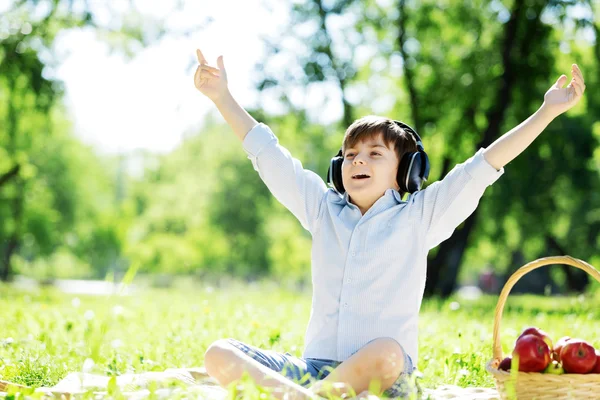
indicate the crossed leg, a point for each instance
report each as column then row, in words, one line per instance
column 226, row 363
column 381, row 360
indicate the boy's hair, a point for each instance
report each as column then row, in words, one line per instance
column 371, row 126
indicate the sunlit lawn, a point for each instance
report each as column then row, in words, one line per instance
column 46, row 334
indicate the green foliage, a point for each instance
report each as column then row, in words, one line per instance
column 61, row 264
column 66, row 208
column 204, row 209
column 238, row 207
column 172, row 230
column 55, row 195
column 290, row 247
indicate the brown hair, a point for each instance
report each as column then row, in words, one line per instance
column 370, row 126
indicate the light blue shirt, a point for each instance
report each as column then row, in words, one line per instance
column 368, row 271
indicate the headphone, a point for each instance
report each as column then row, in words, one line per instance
column 413, row 169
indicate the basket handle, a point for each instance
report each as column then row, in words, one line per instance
column 568, row 260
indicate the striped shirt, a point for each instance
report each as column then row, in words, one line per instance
column 368, row 271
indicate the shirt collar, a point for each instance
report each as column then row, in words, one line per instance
column 391, row 197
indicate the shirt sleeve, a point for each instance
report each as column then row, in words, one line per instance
column 300, row 190
column 445, row 204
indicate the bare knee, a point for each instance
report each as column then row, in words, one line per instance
column 388, row 359
column 219, row 361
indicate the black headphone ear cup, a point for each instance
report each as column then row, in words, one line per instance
column 334, row 174
column 414, row 173
column 425, row 166
column 402, row 171
column 337, row 176
column 410, row 172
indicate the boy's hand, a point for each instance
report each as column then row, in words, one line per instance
column 558, row 99
column 210, row 81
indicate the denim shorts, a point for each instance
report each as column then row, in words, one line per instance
column 306, row 371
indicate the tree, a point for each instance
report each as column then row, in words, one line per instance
column 27, row 117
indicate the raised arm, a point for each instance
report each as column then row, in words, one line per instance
column 557, row 100
column 300, row 190
column 442, row 206
column 212, row 82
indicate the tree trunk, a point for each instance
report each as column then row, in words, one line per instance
column 14, row 240
column 11, row 246
column 538, row 281
column 576, row 280
column 16, row 202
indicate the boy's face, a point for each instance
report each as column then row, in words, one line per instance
column 373, row 158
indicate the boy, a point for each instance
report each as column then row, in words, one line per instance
column 369, row 246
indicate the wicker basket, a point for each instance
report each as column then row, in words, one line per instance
column 536, row 385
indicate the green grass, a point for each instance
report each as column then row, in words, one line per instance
column 47, row 334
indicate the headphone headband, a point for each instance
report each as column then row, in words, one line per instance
column 412, row 132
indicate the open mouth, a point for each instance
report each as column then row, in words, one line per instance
column 360, row 176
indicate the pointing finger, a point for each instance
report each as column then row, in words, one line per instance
column 200, row 57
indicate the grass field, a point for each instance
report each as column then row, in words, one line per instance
column 45, row 334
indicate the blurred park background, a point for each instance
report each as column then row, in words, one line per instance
column 163, row 191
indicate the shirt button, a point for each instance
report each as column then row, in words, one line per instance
column 345, row 305
column 348, row 280
column 353, row 254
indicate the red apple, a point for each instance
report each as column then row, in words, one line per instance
column 537, row 332
column 596, row 369
column 558, row 347
column 578, row 357
column 505, row 364
column 533, row 353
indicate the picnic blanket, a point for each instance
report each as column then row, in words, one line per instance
column 196, row 383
